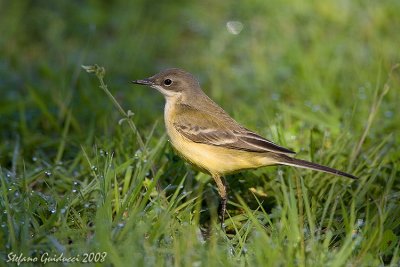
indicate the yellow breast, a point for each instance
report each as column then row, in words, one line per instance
column 213, row 159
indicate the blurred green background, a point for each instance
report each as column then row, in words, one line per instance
column 302, row 73
column 324, row 58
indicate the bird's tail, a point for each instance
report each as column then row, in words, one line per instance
column 286, row 160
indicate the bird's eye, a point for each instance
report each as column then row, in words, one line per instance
column 167, row 82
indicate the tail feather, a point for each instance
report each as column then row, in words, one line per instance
column 286, row 160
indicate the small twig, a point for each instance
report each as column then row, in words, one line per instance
column 100, row 73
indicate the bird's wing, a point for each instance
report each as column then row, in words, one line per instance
column 206, row 128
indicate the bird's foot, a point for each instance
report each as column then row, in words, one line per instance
column 222, row 210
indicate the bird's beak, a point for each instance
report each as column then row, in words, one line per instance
column 143, row 82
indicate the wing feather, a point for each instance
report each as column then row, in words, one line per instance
column 202, row 127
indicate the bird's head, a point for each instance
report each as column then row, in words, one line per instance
column 171, row 82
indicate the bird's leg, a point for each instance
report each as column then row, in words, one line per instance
column 220, row 181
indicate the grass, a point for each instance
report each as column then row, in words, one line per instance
column 85, row 169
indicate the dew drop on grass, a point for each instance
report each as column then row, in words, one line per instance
column 47, row 173
column 316, row 108
column 74, row 190
column 94, row 168
column 76, row 183
column 361, row 93
column 275, row 96
column 34, row 159
column 3, row 225
column 388, row 114
column 120, row 225
column 53, row 211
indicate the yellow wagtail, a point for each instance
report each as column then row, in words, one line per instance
column 207, row 137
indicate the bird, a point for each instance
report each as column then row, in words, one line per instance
column 205, row 135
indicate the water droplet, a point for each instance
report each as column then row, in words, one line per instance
column 3, row 225
column 74, row 190
column 138, row 154
column 87, row 205
column 53, row 211
column 120, row 225
column 101, row 152
column 76, row 183
column 275, row 96
column 234, row 27
column 34, row 159
column 316, row 108
column 388, row 114
column 94, row 168
column 361, row 93
column 47, row 173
